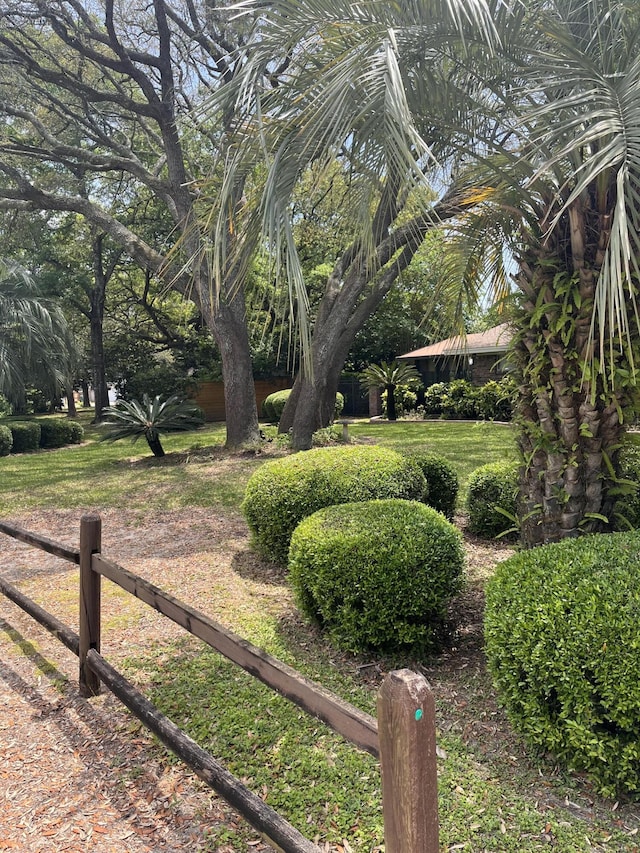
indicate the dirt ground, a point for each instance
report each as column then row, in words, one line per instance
column 79, row 774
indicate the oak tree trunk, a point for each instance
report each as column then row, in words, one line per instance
column 357, row 285
column 229, row 327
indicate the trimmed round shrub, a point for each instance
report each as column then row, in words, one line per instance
column 442, row 481
column 6, row 440
column 274, row 404
column 76, row 431
column 26, row 436
column 377, row 574
column 284, row 491
column 563, row 639
column 492, row 488
column 56, row 432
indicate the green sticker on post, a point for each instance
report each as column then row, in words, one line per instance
column 419, row 714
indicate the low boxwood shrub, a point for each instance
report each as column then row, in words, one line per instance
column 274, row 404
column 442, row 481
column 284, row 491
column 562, row 639
column 6, row 440
column 377, row 574
column 491, row 488
column 26, row 436
column 58, row 432
column 76, row 431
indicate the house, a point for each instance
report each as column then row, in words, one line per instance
column 478, row 357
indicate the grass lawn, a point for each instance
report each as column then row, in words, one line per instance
column 465, row 445
column 493, row 796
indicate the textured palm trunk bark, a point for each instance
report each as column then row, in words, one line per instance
column 569, row 420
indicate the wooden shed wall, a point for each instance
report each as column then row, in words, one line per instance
column 210, row 395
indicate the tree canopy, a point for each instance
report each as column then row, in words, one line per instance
column 526, row 116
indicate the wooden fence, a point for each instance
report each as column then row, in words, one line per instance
column 210, row 395
column 403, row 737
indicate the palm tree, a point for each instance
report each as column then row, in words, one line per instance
column 132, row 419
column 388, row 375
column 35, row 346
column 564, row 194
column 544, row 105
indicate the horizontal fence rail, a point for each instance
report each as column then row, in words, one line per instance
column 59, row 630
column 353, row 724
column 403, row 737
column 41, row 542
column 265, row 819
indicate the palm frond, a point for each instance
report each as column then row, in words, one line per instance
column 35, row 344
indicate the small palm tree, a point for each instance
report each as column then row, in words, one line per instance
column 35, row 344
column 388, row 376
column 132, row 419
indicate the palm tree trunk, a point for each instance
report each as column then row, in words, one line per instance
column 155, row 445
column 569, row 418
column 392, row 414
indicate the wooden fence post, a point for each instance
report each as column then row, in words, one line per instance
column 407, row 732
column 90, row 543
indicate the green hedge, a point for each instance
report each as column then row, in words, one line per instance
column 377, row 574
column 495, row 401
column 58, row 432
column 274, row 404
column 492, row 487
column 26, row 436
column 6, row 440
column 562, row 634
column 284, row 491
column 458, row 399
column 626, row 512
column 442, row 481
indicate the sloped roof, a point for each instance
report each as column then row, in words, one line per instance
column 493, row 340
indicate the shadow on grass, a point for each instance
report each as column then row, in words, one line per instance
column 250, row 566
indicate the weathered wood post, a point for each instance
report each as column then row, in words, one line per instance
column 90, row 543
column 407, row 733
